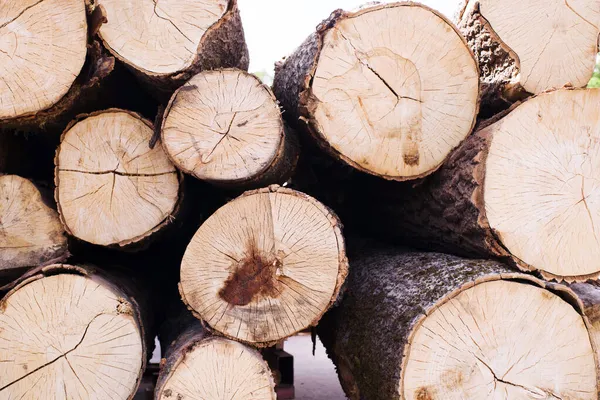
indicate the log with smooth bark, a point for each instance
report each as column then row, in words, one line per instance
column 524, row 188
column 112, row 189
column 68, row 332
column 45, row 76
column 528, row 47
column 198, row 365
column 225, row 127
column 166, row 43
column 30, row 231
column 428, row 326
column 264, row 266
column 391, row 89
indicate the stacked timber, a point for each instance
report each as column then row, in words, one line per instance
column 477, row 139
column 433, row 326
column 225, row 127
column 72, row 332
column 265, row 266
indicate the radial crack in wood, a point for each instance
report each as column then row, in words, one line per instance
column 225, row 127
column 67, row 333
column 433, row 326
column 165, row 42
column 43, row 46
column 264, row 266
column 112, row 188
column 30, row 231
column 374, row 92
column 531, row 46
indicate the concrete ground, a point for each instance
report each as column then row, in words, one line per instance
column 315, row 377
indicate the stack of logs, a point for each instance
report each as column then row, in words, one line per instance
column 154, row 187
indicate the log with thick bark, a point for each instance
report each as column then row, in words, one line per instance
column 225, row 127
column 112, row 189
column 391, row 89
column 265, row 266
column 526, row 47
column 30, row 232
column 165, row 43
column 198, row 365
column 68, row 332
column 44, row 75
column 524, row 188
column 428, row 326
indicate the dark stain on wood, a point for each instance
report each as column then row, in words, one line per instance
column 423, row 394
column 242, row 124
column 411, row 153
column 254, row 276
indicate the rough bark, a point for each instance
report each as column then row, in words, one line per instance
column 84, row 93
column 225, row 127
column 223, row 45
column 122, row 153
column 264, row 266
column 298, row 76
column 181, row 336
column 30, row 231
column 120, row 307
column 391, row 291
column 449, row 211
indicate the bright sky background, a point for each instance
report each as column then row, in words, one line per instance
column 274, row 28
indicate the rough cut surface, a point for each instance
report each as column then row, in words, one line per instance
column 166, row 42
column 30, row 232
column 200, row 366
column 523, row 188
column 433, row 326
column 264, row 266
column 67, row 333
column 42, row 50
column 225, row 127
column 390, row 89
column 111, row 187
column 531, row 46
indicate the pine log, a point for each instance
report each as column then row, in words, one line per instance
column 112, row 189
column 50, row 64
column 30, row 231
column 264, row 266
column 428, row 326
column 523, row 188
column 69, row 332
column 391, row 89
column 526, row 47
column 198, row 365
column 177, row 41
column 225, row 127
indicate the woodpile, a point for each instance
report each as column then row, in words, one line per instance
column 521, row 46
column 150, row 187
column 435, row 326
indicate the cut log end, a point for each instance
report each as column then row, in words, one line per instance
column 112, row 188
column 492, row 340
column 384, row 79
column 216, row 368
column 69, row 336
column 265, row 266
column 551, row 43
column 171, row 34
column 541, row 192
column 30, row 232
column 223, row 126
column 42, row 50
